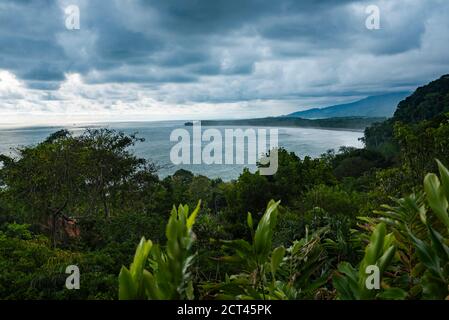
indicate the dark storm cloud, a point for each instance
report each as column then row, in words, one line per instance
column 182, row 34
column 225, row 15
column 142, row 78
column 226, row 50
column 27, row 41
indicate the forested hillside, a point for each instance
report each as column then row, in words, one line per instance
column 351, row 123
column 428, row 103
column 425, row 103
column 307, row 232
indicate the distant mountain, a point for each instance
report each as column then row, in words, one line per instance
column 373, row 106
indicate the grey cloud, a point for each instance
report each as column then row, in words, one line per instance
column 228, row 50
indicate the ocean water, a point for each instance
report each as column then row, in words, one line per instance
column 157, row 144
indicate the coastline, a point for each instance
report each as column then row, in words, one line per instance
column 296, row 127
column 204, row 123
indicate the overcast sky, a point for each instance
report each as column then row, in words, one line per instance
column 193, row 59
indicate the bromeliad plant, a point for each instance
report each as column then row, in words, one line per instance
column 404, row 219
column 168, row 276
column 269, row 273
column 434, row 253
column 423, row 237
column 420, row 224
column 253, row 258
column 351, row 283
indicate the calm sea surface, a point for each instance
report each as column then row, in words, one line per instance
column 157, row 144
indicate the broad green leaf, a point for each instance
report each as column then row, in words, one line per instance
column 264, row 231
column 427, row 255
column 276, row 259
column 344, row 289
column 375, row 247
column 444, row 175
column 191, row 219
column 436, row 198
column 386, row 258
column 438, row 244
column 150, row 286
column 127, row 287
column 249, row 220
column 350, row 272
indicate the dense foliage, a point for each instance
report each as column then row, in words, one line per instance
column 426, row 103
column 308, row 232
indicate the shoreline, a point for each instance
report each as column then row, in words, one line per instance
column 181, row 122
column 294, row 127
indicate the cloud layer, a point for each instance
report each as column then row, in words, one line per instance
column 135, row 60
